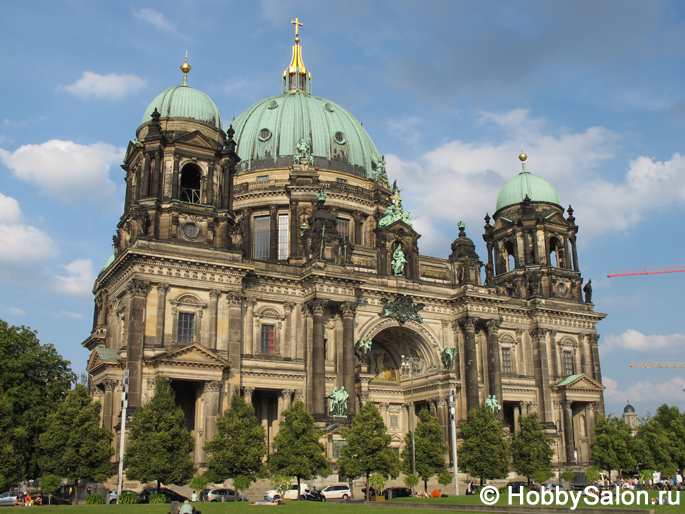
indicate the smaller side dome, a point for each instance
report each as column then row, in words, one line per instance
column 536, row 188
column 184, row 102
column 628, row 409
column 463, row 247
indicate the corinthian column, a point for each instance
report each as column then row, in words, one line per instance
column 162, row 290
column 541, row 365
column 468, row 325
column 214, row 295
column 137, row 291
column 248, row 329
column 348, row 311
column 494, row 368
column 317, row 307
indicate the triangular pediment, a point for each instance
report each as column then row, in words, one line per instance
column 191, row 355
column 580, row 382
column 197, row 138
column 101, row 356
column 555, row 217
column 399, row 226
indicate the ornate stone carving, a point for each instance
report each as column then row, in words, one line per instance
column 163, row 287
column 468, row 324
column 363, row 397
column 593, row 339
column 110, row 385
column 299, row 395
column 338, row 402
column 442, row 401
column 286, row 394
column 402, row 309
column 306, row 311
column 362, row 349
column 137, row 287
column 214, row 294
column 317, row 305
column 448, row 353
column 348, row 309
column 539, row 333
column 383, row 406
column 247, row 393
column 212, row 387
column 288, row 307
column 492, row 325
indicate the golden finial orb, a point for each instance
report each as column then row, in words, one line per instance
column 185, row 67
column 522, row 157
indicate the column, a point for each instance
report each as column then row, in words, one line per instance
column 145, row 177
column 541, row 366
column 209, row 185
column 318, row 363
column 574, row 252
column 357, row 227
column 383, row 409
column 137, row 291
column 247, row 394
column 211, row 396
column 214, row 295
column 591, row 410
column 348, row 311
column 299, row 395
column 556, row 355
column 307, row 336
column 111, row 336
column 585, row 356
column 273, row 233
column 288, row 350
column 174, row 178
column 494, row 366
column 155, row 190
column 162, row 290
column 248, row 328
column 470, row 355
column 279, row 414
column 294, row 229
column 517, row 415
column 444, row 419
column 568, row 431
column 287, row 395
column 594, row 350
column 247, row 232
column 108, row 403
column 264, row 416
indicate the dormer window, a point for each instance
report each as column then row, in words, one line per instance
column 190, row 184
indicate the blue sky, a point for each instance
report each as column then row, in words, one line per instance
column 448, row 90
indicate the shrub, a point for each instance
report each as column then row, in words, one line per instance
column 199, row 482
column 445, row 478
column 128, row 498
column 378, row 481
column 568, row 476
column 158, row 498
column 95, row 499
column 411, row 480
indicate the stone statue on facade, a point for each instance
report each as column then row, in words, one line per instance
column 338, row 398
column 588, row 291
column 398, row 261
column 378, row 170
column 303, row 154
column 362, row 349
column 488, row 274
column 492, row 404
column 402, row 309
column 448, row 354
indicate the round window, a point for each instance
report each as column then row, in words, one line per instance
column 339, row 138
column 191, row 230
column 264, row 134
column 273, row 104
column 329, row 107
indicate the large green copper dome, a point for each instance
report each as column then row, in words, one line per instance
column 184, row 102
column 526, row 184
column 267, row 134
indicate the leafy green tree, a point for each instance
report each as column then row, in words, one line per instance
column 11, row 437
column 199, row 482
column 411, row 481
column 159, row 443
column 673, row 423
column 430, row 449
column 531, row 449
column 35, row 379
column 610, row 446
column 568, row 477
column 238, row 447
column 445, row 478
column 368, row 447
column 641, row 453
column 485, row 453
column 73, row 445
column 49, row 484
column 297, row 449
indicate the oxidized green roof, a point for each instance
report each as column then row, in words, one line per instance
column 569, row 380
column 108, row 354
column 537, row 189
column 293, row 116
column 109, row 261
column 184, row 102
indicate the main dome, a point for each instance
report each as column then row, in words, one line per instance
column 267, row 134
column 184, row 102
column 526, row 184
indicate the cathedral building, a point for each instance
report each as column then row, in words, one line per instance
column 276, row 259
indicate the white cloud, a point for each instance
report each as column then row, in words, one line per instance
column 154, row 18
column 80, row 279
column 65, row 169
column 21, row 244
column 107, row 87
column 632, row 340
column 471, row 174
column 16, row 311
column 75, row 315
column 644, row 391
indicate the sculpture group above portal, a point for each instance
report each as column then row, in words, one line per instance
column 338, row 398
column 402, row 308
column 395, row 212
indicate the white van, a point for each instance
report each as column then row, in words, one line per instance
column 290, row 495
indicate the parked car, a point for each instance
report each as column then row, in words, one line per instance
column 516, row 486
column 553, row 486
column 222, row 494
column 293, row 494
column 337, row 492
column 111, row 496
column 171, row 496
column 8, row 498
column 396, row 492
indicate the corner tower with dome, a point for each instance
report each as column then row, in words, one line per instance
column 276, row 260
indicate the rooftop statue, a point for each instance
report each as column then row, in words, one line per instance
column 378, row 173
column 398, row 261
column 304, row 152
column 395, row 212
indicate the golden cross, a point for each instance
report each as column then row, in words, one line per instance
column 397, row 199
column 297, row 26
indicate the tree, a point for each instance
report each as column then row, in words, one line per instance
column 10, row 438
column 673, row 423
column 531, row 449
column 297, row 450
column 35, row 379
column 159, row 443
column 430, row 449
column 238, row 447
column 73, row 444
column 485, row 453
column 368, row 447
column 610, row 446
column 49, row 484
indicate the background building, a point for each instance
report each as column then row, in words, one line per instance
column 276, row 259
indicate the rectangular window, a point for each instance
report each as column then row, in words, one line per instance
column 343, row 227
column 283, row 237
column 262, row 235
column 186, row 328
column 263, row 178
column 268, row 339
column 341, row 180
column 506, row 360
column 568, row 363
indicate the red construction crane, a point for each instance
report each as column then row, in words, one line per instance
column 647, row 271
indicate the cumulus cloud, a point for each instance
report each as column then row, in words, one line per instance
column 107, row 87
column 67, row 170
column 644, row 391
column 79, row 280
column 632, row 340
column 16, row 311
column 74, row 315
column 21, row 244
column 154, row 18
column 471, row 175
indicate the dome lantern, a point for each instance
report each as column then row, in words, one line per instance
column 297, row 79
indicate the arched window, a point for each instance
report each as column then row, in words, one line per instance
column 190, row 184
column 555, row 252
column 511, row 260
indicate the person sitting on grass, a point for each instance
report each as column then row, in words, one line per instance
column 186, row 508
